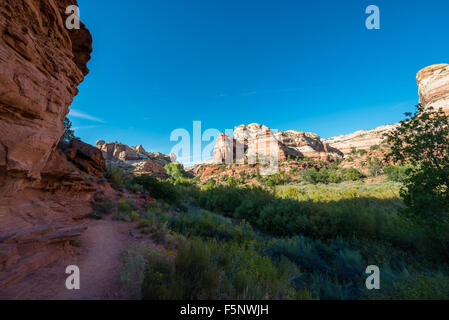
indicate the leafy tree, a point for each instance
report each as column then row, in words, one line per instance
column 68, row 135
column 422, row 140
column 175, row 171
column 375, row 166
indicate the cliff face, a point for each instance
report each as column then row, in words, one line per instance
column 134, row 160
column 433, row 86
column 255, row 142
column 362, row 139
column 42, row 194
column 42, row 63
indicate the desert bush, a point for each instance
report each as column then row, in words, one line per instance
column 135, row 259
column 209, row 270
column 102, row 208
column 158, row 189
column 412, row 285
column 398, row 173
column 221, row 199
column 126, row 211
column 331, row 175
column 352, row 174
column 115, row 177
column 175, row 171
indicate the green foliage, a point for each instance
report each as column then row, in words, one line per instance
column 422, row 140
column 68, row 134
column 275, row 179
column 101, row 209
column 126, row 211
column 158, row 189
column 256, row 240
column 135, row 259
column 398, row 173
column 412, row 285
column 175, row 171
column 331, row 175
column 209, row 270
column 115, row 177
column 375, row 166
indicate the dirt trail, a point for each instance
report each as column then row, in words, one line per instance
column 98, row 259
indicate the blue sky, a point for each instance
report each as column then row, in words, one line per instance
column 303, row 65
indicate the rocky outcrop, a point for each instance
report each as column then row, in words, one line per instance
column 42, row 194
column 253, row 143
column 433, row 86
column 86, row 157
column 362, row 139
column 134, row 160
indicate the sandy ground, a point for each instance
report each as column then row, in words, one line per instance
column 98, row 258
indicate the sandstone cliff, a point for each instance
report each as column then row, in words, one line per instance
column 43, row 191
column 257, row 142
column 362, row 139
column 134, row 160
column 433, row 86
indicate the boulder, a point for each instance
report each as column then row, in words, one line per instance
column 86, row 157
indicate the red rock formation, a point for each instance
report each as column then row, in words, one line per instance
column 42, row 194
column 433, row 85
column 255, row 142
column 362, row 139
column 86, row 157
column 134, row 160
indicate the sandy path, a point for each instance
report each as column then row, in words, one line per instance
column 98, row 259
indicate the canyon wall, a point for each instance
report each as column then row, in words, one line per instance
column 256, row 142
column 134, row 160
column 44, row 192
column 433, row 86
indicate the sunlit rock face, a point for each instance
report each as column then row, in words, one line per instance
column 255, row 142
column 362, row 139
column 433, row 86
column 134, row 160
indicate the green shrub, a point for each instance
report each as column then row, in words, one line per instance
column 352, row 174
column 398, row 173
column 135, row 259
column 209, row 270
column 412, row 285
column 115, row 177
column 163, row 190
column 101, row 209
column 332, row 175
column 126, row 211
column 175, row 171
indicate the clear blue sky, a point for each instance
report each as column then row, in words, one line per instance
column 303, row 65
